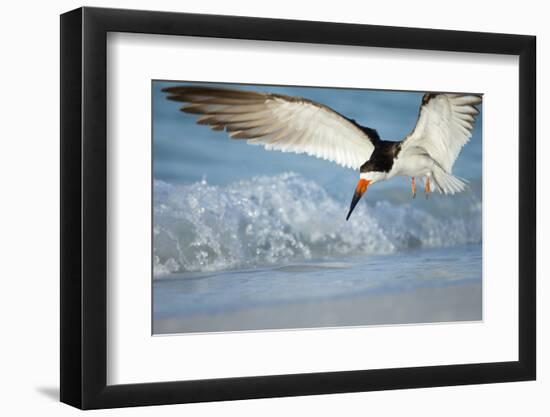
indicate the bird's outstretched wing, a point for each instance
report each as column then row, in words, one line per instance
column 278, row 122
column 444, row 126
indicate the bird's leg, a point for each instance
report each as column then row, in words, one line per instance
column 427, row 186
column 413, row 186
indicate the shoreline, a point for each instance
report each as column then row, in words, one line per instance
column 450, row 303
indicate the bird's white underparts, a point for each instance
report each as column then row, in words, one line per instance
column 296, row 124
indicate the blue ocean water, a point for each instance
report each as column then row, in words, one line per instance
column 416, row 286
column 225, row 210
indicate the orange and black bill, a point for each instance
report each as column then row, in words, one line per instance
column 359, row 191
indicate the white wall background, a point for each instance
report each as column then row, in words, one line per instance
column 29, row 236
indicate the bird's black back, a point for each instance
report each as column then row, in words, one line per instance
column 382, row 157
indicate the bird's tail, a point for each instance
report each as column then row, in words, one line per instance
column 448, row 183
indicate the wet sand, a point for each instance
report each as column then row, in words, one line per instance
column 460, row 302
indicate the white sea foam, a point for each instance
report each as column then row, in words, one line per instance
column 285, row 218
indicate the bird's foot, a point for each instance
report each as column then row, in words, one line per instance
column 427, row 188
column 413, row 187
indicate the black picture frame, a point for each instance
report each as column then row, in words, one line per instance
column 84, row 207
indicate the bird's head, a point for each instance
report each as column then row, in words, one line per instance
column 366, row 179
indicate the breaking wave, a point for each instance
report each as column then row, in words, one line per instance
column 286, row 218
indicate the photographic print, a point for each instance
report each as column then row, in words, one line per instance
column 293, row 207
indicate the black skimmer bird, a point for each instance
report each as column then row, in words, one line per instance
column 296, row 124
